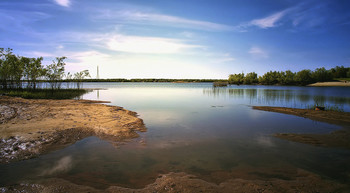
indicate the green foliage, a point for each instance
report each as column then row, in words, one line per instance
column 270, row 78
column 303, row 77
column 251, row 78
column 288, row 77
column 45, row 93
column 16, row 70
column 321, row 75
column 220, row 84
column 55, row 72
column 33, row 70
column 79, row 76
column 236, row 78
column 340, row 72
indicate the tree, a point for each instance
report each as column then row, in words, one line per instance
column 55, row 72
column 69, row 77
column 79, row 76
column 303, row 77
column 321, row 75
column 269, row 78
column 289, row 78
column 4, row 66
column 339, row 72
column 236, row 78
column 33, row 70
column 251, row 78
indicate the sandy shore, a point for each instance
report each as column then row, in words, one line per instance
column 31, row 127
column 330, row 84
column 339, row 138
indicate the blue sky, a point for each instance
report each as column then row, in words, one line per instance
column 179, row 39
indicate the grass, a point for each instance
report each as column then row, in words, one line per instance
column 342, row 79
column 45, row 93
column 327, row 108
column 220, row 84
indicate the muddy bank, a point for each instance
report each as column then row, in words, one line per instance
column 31, row 127
column 182, row 182
column 339, row 138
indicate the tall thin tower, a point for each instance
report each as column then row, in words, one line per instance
column 98, row 74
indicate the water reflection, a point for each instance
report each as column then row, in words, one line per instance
column 301, row 98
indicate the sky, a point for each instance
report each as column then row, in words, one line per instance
column 179, row 39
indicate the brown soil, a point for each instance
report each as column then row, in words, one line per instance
column 31, row 127
column 339, row 138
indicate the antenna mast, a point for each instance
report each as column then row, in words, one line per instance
column 98, row 74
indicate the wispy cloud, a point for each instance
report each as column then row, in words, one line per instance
column 223, row 58
column 257, row 52
column 160, row 19
column 270, row 21
column 64, row 3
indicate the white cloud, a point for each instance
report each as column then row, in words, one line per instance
column 64, row 3
column 147, row 45
column 270, row 21
column 258, row 52
column 160, row 19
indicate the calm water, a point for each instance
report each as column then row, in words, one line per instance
column 195, row 128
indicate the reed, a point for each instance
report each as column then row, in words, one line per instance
column 45, row 93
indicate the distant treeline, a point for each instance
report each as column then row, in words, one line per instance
column 150, row 80
column 17, row 72
column 288, row 77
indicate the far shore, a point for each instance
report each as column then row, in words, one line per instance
column 339, row 83
column 339, row 138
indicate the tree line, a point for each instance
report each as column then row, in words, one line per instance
column 18, row 72
column 288, row 77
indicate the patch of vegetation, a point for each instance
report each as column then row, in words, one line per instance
column 327, row 108
column 17, row 72
column 303, row 77
column 220, row 84
column 45, row 93
column 342, row 79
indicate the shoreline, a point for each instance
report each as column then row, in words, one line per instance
column 339, row 138
column 325, row 84
column 31, row 127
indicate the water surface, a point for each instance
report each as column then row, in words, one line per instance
column 195, row 128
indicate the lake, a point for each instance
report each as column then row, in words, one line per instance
column 195, row 128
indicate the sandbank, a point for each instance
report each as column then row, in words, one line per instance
column 338, row 138
column 344, row 83
column 30, row 127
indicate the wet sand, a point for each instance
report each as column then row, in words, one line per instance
column 29, row 128
column 339, row 138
